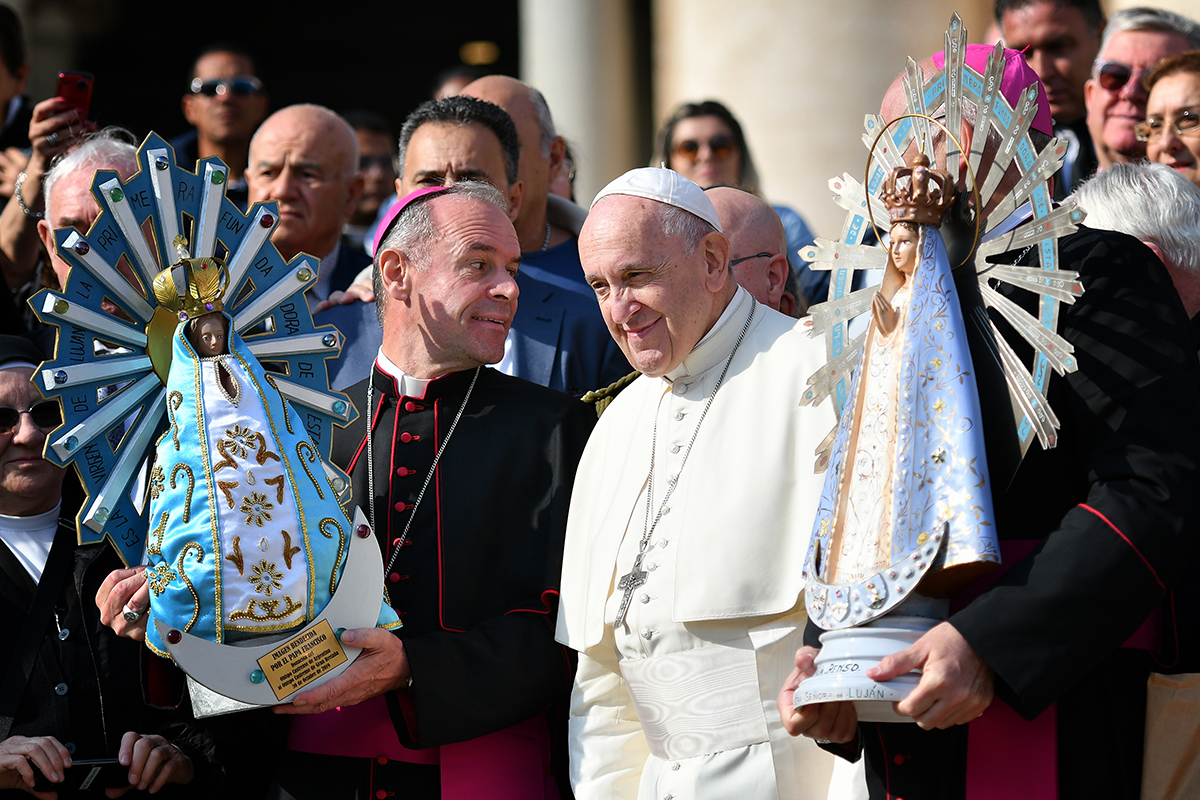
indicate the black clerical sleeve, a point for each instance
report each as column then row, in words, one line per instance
column 476, row 581
column 1114, row 504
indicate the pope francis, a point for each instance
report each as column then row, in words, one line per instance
column 690, row 517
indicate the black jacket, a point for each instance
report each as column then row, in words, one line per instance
column 86, row 686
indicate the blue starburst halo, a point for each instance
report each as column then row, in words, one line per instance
column 113, row 349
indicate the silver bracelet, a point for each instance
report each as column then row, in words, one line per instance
column 21, row 200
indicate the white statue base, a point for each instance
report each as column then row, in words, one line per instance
column 847, row 654
column 226, row 678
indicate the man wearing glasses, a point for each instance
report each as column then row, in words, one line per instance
column 1135, row 40
column 224, row 102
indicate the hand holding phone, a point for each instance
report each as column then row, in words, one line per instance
column 76, row 89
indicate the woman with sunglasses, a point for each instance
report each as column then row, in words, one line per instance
column 1171, row 129
column 704, row 143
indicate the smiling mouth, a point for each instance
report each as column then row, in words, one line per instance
column 492, row 320
column 640, row 333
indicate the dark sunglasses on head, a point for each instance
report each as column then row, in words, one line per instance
column 241, row 86
column 720, row 145
column 734, row 261
column 46, row 415
column 1113, row 75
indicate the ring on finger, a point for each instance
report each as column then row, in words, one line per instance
column 52, row 138
column 130, row 615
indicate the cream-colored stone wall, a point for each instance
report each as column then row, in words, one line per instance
column 799, row 75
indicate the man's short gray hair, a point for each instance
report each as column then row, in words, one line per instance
column 1149, row 19
column 412, row 232
column 1150, row 202
column 683, row 226
column 108, row 148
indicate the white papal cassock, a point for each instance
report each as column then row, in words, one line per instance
column 680, row 701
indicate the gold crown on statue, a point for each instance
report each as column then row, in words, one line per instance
column 917, row 193
column 191, row 286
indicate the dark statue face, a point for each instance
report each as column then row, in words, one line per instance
column 207, row 335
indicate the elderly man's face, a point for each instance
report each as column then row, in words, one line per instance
column 1060, row 46
column 460, row 294
column 1112, row 112
column 292, row 161
column 226, row 117
column 29, row 484
column 657, row 299
column 70, row 205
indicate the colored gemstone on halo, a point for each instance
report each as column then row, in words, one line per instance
column 257, row 676
column 116, row 195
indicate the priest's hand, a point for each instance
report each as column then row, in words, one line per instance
column 956, row 684
column 825, row 722
column 122, row 590
column 381, row 667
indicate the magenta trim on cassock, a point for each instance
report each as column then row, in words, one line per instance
column 1001, row 737
column 512, row 764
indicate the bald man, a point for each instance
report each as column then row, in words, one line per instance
column 547, row 228
column 757, row 246
column 305, row 157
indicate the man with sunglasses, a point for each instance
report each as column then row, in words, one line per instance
column 1135, row 41
column 224, row 102
column 1059, row 40
column 75, row 692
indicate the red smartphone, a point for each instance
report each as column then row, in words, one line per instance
column 76, row 89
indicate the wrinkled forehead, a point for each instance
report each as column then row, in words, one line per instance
column 17, row 387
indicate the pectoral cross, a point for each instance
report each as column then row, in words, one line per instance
column 629, row 581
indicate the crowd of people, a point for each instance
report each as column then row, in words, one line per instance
column 602, row 597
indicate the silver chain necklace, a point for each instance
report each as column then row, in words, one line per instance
column 636, row 576
column 429, row 477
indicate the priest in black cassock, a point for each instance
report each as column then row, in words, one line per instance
column 466, row 475
column 1095, row 535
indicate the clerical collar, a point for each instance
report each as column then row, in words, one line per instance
column 714, row 347
column 30, row 538
column 406, row 385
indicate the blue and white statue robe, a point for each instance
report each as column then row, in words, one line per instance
column 248, row 535
column 915, row 398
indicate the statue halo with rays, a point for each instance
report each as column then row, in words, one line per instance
column 114, row 341
column 167, row 250
column 946, row 93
